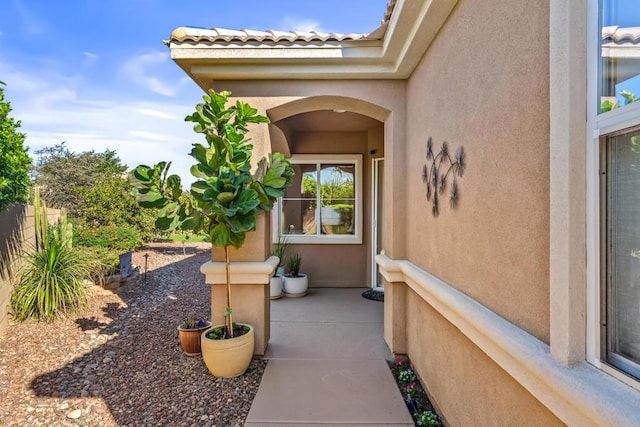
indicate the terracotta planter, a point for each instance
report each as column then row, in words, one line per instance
column 228, row 358
column 295, row 286
column 190, row 339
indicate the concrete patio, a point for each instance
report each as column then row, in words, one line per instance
column 327, row 364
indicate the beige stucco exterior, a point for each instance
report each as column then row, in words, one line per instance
column 494, row 246
column 463, row 382
column 487, row 299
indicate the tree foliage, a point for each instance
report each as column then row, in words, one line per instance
column 93, row 188
column 14, row 160
column 109, row 202
column 63, row 175
column 227, row 197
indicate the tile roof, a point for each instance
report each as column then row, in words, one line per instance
column 217, row 35
column 618, row 35
column 225, row 36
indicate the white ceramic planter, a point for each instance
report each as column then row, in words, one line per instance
column 275, row 285
column 295, row 286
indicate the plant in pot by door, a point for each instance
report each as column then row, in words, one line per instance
column 295, row 283
column 279, row 250
column 190, row 331
column 224, row 204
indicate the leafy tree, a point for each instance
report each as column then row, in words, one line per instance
column 226, row 197
column 63, row 175
column 110, row 202
column 14, row 160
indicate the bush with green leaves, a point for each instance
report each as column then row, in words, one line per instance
column 110, row 202
column 428, row 419
column 14, row 160
column 103, row 261
column 51, row 278
column 118, row 238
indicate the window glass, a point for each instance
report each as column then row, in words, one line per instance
column 337, row 199
column 300, row 201
column 622, row 250
column 298, row 216
column 619, row 54
column 322, row 205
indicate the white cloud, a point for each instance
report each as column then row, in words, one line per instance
column 90, row 58
column 54, row 109
column 292, row 23
column 137, row 69
column 156, row 113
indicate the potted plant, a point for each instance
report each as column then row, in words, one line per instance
column 224, row 203
column 189, row 332
column 279, row 250
column 295, row 283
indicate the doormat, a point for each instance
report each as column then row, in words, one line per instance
column 373, row 295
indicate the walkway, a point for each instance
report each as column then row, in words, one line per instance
column 327, row 364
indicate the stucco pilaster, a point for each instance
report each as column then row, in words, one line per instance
column 567, row 155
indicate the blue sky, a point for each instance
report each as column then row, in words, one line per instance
column 94, row 73
column 624, row 13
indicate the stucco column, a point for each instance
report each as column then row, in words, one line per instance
column 567, row 157
column 251, row 269
column 395, row 305
column 249, row 295
column 394, row 186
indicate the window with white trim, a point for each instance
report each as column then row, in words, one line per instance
column 616, row 126
column 324, row 202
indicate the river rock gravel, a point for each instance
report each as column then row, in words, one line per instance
column 119, row 361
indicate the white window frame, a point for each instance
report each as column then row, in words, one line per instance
column 331, row 239
column 599, row 125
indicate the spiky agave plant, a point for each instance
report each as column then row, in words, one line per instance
column 226, row 198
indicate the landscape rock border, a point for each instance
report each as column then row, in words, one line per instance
column 119, row 361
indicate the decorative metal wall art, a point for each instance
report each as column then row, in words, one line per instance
column 436, row 178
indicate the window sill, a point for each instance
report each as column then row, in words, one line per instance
column 323, row 240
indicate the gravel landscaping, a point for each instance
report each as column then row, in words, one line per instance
column 119, row 361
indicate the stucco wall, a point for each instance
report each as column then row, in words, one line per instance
column 467, row 387
column 483, row 84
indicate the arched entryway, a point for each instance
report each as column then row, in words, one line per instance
column 330, row 214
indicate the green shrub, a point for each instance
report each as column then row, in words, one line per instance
column 103, row 262
column 428, row 419
column 50, row 280
column 121, row 238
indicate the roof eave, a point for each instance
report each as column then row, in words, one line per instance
column 402, row 41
